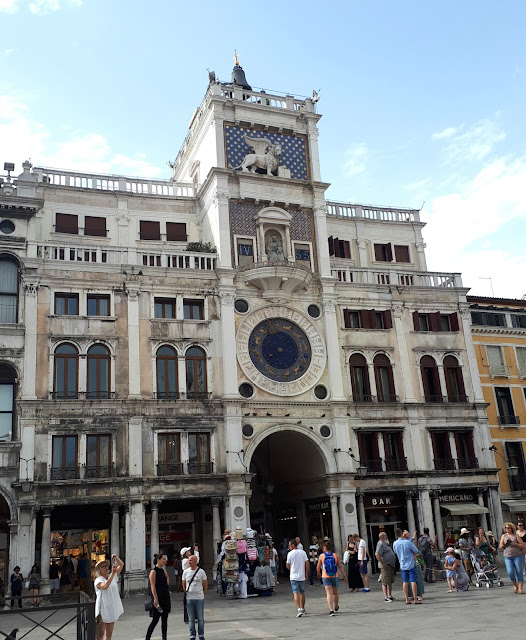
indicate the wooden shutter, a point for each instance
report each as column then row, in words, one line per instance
column 331, row 246
column 346, row 319
column 176, row 232
column 95, row 226
column 67, row 223
column 453, row 321
column 150, row 230
column 434, row 321
column 365, row 319
column 378, row 253
column 416, row 323
column 388, row 320
column 389, row 252
column 346, row 249
column 401, row 253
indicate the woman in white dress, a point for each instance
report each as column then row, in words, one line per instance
column 108, row 604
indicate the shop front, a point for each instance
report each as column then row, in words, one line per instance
column 384, row 512
column 319, row 518
column 459, row 509
column 176, row 530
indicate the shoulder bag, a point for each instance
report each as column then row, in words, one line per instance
column 185, row 611
column 148, row 597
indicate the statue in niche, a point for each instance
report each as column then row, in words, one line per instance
column 263, row 159
column 274, row 247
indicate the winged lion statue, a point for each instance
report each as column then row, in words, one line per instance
column 262, row 158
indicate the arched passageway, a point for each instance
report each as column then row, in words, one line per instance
column 5, row 516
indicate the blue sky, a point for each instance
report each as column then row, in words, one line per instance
column 421, row 102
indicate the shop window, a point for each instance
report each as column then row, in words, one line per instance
column 488, row 319
column 65, row 463
column 167, row 384
column 465, row 450
column 369, row 452
column 515, row 455
column 383, row 253
column 66, row 368
column 196, row 382
column 99, row 372
column 401, row 253
column 7, row 403
column 67, row 223
column 430, row 380
column 367, row 319
column 505, row 406
column 98, row 456
column 442, row 451
column 150, row 230
column 518, row 321
column 169, row 454
column 176, row 232
column 454, row 380
column 199, row 453
column 383, row 374
column 394, row 451
column 164, row 308
column 193, row 309
column 361, row 390
column 98, row 305
column 95, row 226
column 66, row 304
column 339, row 248
column 8, row 290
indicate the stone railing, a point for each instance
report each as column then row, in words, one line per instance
column 122, row 256
column 74, row 179
column 382, row 214
column 398, row 278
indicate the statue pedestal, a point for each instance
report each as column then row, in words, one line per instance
column 283, row 172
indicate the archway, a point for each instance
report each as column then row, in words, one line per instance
column 289, row 486
column 5, row 516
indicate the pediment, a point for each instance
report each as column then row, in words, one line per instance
column 273, row 215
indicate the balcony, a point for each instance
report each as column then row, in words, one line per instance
column 373, row 466
column 457, row 399
column 198, row 395
column 100, row 471
column 170, row 469
column 396, row 277
column 396, row 465
column 363, row 397
column 368, row 212
column 167, row 395
column 444, row 464
column 468, row 463
column 65, row 473
column 283, row 276
column 388, row 398
column 83, row 395
column 499, row 371
column 434, row 399
column 200, row 468
column 509, row 420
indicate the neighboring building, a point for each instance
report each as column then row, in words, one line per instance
column 295, row 367
column 498, row 326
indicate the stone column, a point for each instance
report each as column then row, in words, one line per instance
column 411, row 526
column 115, row 532
column 335, row 517
column 134, row 361
column 320, row 223
column 483, row 520
column 497, row 523
column 135, row 446
column 25, row 549
column 45, row 552
column 348, row 515
column 154, row 528
column 438, row 520
column 333, row 349
column 406, row 378
column 426, row 513
column 313, row 151
column 216, row 524
column 134, row 579
column 361, row 517
column 228, row 337
column 30, row 342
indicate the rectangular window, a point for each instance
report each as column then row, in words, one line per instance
column 423, row 322
column 515, row 455
column 496, row 361
column 505, row 406
column 150, row 230
column 394, row 451
column 465, row 450
column 164, row 308
column 442, row 451
column 367, row 319
column 98, row 305
column 67, row 223
column 518, row 321
column 176, row 232
column 199, row 453
column 193, row 309
column 383, row 253
column 521, row 361
column 95, row 226
column 169, row 447
column 98, row 456
column 445, row 322
column 435, row 321
column 401, row 253
column 488, row 319
column 369, row 452
column 351, row 319
column 339, row 248
column 65, row 465
column 66, row 304
column 6, row 411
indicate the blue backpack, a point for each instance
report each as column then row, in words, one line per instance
column 329, row 563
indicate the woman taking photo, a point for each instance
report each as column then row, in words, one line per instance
column 351, row 560
column 108, row 604
column 513, row 548
column 34, row 586
column 161, row 596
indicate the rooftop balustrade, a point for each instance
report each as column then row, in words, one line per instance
column 397, row 277
column 370, row 212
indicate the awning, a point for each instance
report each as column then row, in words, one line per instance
column 464, row 508
column 515, row 505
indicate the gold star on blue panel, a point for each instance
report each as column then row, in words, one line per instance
column 293, row 149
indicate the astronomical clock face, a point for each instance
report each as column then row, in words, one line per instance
column 280, row 350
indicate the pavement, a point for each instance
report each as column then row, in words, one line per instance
column 482, row 612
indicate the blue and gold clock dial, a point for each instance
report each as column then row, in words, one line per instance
column 280, row 350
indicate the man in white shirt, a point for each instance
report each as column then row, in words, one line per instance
column 298, row 565
column 362, row 561
column 195, row 589
column 298, row 543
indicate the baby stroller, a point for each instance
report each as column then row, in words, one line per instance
column 484, row 575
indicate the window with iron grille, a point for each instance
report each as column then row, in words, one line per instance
column 169, row 454
column 98, row 456
column 65, row 462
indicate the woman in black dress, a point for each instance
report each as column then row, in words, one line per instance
column 353, row 572
column 161, row 596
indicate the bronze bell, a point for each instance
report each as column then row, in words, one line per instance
column 238, row 78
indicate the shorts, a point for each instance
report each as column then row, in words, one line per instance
column 298, row 586
column 409, row 575
column 330, row 582
column 274, row 570
column 362, row 567
column 54, row 583
column 387, row 575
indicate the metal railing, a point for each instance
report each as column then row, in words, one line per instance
column 83, row 395
column 396, row 465
column 468, row 463
column 434, row 399
column 457, row 398
column 167, row 395
column 65, row 473
column 101, row 471
column 387, row 397
column 444, row 464
column 198, row 395
column 509, row 420
column 373, row 466
column 363, row 397
column 170, row 469
column 197, row 468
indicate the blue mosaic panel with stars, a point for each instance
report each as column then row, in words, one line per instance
column 293, row 149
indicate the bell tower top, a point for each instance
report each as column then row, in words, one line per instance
column 238, row 75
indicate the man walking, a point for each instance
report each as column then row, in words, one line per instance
column 195, row 584
column 425, row 545
column 387, row 562
column 406, row 551
column 298, row 565
column 362, row 562
column 327, row 569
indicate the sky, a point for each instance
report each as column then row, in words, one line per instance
column 423, row 103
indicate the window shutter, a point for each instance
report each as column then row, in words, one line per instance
column 453, row 321
column 388, row 320
column 95, row 226
column 372, row 319
column 365, row 319
column 176, row 232
column 67, row 223
column 401, row 253
column 416, row 323
column 346, row 249
column 434, row 321
column 331, row 246
column 378, row 254
column 150, row 230
column 389, row 252
column 346, row 319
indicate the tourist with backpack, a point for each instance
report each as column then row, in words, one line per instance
column 327, row 570
column 425, row 546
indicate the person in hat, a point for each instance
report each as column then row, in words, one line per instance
column 186, row 552
column 108, row 604
column 450, row 564
column 466, row 544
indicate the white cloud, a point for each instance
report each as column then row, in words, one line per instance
column 22, row 137
column 446, row 133
column 37, row 7
column 461, row 224
column 9, row 6
column 474, row 144
column 356, row 158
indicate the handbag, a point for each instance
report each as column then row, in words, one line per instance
column 148, row 598
column 185, row 610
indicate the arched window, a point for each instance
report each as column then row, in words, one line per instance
column 430, row 379
column 66, row 375
column 167, row 373
column 8, row 290
column 99, row 372
column 456, row 391
column 383, row 374
column 7, row 403
column 196, row 385
column 361, row 389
